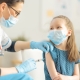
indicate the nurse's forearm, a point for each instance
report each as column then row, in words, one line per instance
column 6, row 71
column 51, row 66
column 21, row 45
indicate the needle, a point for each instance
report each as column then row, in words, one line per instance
column 39, row 60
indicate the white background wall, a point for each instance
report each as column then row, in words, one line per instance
column 29, row 25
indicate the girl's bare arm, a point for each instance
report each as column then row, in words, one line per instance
column 51, row 66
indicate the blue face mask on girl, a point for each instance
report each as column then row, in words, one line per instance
column 57, row 36
column 9, row 22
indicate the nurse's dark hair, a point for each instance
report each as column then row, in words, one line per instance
column 71, row 43
column 11, row 2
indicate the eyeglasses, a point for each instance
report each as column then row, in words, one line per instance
column 17, row 13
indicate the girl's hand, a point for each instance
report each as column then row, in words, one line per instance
column 60, row 77
column 56, row 78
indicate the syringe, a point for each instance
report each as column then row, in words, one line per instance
column 39, row 60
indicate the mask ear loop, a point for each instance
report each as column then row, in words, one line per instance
column 9, row 12
column 2, row 15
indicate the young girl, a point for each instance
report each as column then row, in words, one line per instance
column 62, row 62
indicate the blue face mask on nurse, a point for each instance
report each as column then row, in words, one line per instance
column 12, row 19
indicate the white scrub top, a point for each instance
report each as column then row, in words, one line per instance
column 5, row 41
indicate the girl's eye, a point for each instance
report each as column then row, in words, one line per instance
column 58, row 27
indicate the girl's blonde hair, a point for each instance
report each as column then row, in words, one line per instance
column 71, row 44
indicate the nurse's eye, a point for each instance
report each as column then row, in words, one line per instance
column 51, row 28
column 16, row 12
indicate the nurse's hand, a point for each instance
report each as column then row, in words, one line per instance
column 26, row 66
column 45, row 46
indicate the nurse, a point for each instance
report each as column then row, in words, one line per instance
column 9, row 11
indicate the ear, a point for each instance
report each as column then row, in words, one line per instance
column 69, row 32
column 3, row 6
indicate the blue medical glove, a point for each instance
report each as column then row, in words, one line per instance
column 26, row 66
column 45, row 46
